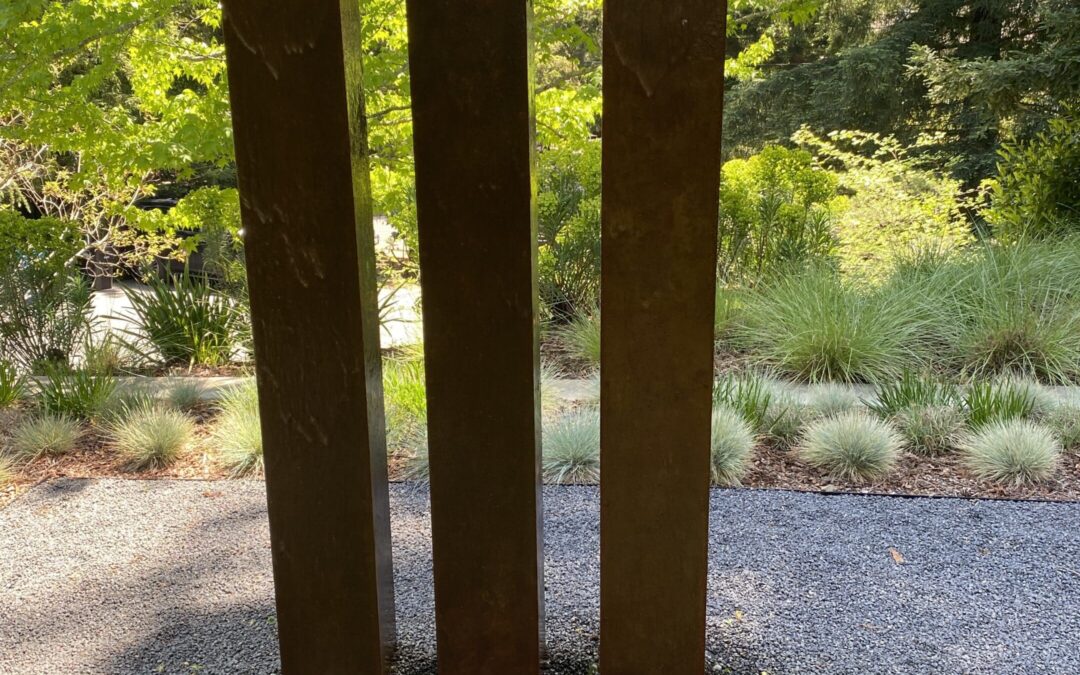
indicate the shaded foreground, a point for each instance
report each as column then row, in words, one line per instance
column 128, row 576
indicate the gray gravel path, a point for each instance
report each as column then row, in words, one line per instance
column 114, row 576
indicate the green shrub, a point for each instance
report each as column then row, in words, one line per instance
column 405, row 399
column 913, row 391
column 1037, row 190
column 45, row 435
column 931, row 429
column 152, row 437
column 731, row 444
column 44, row 301
column 185, row 322
column 997, row 401
column 1012, row 451
column 775, row 211
column 826, row 400
column 76, row 393
column 568, row 225
column 815, row 327
column 785, row 417
column 103, row 355
column 1064, row 420
column 581, row 338
column 571, row 447
column 852, row 446
column 236, row 432
column 12, row 385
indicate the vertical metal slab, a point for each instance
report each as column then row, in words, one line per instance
column 663, row 95
column 472, row 132
column 301, row 152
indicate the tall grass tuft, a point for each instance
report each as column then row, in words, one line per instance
column 852, row 446
column 1012, row 451
column 731, row 444
column 236, row 433
column 152, row 437
column 44, row 435
column 572, row 447
column 1064, row 420
column 749, row 394
column 581, row 338
column 989, row 401
column 815, row 327
column 185, row 395
column 831, row 399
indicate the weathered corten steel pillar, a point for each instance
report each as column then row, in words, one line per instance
column 663, row 94
column 472, row 132
column 301, row 153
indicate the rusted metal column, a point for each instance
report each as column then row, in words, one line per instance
column 472, row 132
column 663, row 94
column 301, row 153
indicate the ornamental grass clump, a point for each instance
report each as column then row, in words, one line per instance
column 913, row 390
column 152, row 437
column 931, row 430
column 748, row 394
column 237, row 434
column 7, row 471
column 731, row 445
column 76, row 393
column 405, row 399
column 572, row 447
column 852, row 446
column 186, row 395
column 994, row 401
column 815, row 327
column 1012, row 451
column 12, row 385
column 44, row 435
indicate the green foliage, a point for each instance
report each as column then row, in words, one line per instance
column 731, row 443
column 405, row 400
column 236, row 434
column 987, row 402
column 1037, row 189
column 77, row 393
column 852, row 446
column 185, row 321
column 813, row 326
column 930, row 430
column 43, row 435
column 7, row 471
column 571, row 447
column 568, row 225
column 1012, row 451
column 581, row 338
column 893, row 206
column 152, row 437
column 775, row 211
column 12, row 385
column 913, row 390
column 785, row 418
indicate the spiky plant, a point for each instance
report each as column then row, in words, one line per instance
column 1012, row 451
column 731, row 444
column 581, row 338
column 12, row 384
column 912, row 390
column 852, row 446
column 572, row 447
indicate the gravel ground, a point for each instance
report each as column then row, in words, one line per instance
column 120, row 576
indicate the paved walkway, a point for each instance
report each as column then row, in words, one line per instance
column 125, row 576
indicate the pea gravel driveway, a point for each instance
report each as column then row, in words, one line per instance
column 115, row 576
